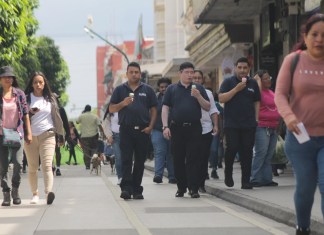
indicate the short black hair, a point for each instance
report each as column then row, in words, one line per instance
column 164, row 80
column 260, row 72
column 242, row 60
column 199, row 71
column 134, row 64
column 186, row 65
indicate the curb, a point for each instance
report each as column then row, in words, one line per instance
column 267, row 209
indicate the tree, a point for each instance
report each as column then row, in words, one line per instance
column 17, row 24
column 53, row 66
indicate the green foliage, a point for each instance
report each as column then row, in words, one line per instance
column 53, row 66
column 17, row 24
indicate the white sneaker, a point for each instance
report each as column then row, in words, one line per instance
column 35, row 199
column 280, row 171
column 119, row 181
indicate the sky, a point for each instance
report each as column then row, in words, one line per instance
column 63, row 21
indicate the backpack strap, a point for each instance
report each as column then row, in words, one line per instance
column 293, row 66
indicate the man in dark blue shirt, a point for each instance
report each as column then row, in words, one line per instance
column 241, row 96
column 185, row 100
column 136, row 104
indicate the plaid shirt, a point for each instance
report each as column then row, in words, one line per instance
column 21, row 106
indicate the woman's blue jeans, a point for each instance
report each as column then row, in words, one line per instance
column 162, row 154
column 116, row 148
column 307, row 160
column 16, row 155
column 264, row 148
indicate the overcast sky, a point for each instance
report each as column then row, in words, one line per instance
column 63, row 20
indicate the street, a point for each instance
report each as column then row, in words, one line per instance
column 90, row 204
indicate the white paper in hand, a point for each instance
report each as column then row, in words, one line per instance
column 303, row 136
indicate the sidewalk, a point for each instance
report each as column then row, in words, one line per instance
column 273, row 202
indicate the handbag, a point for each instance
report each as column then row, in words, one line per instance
column 11, row 138
column 279, row 156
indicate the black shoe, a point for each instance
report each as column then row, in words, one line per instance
column 300, row 231
column 67, row 163
column 180, row 193
column 50, row 198
column 172, row 181
column 6, row 199
column 202, row 190
column 207, row 176
column 229, row 182
column 214, row 174
column 247, row 186
column 220, row 165
column 271, row 184
column 125, row 195
column 15, row 196
column 195, row 195
column 58, row 172
column 157, row 179
column 138, row 196
column 256, row 184
column 87, row 167
column 75, row 163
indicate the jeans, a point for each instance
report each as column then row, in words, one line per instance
column 264, row 148
column 16, row 155
column 162, row 154
column 307, row 160
column 213, row 157
column 116, row 148
column 43, row 147
column 89, row 147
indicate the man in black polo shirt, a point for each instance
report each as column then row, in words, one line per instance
column 241, row 96
column 136, row 104
column 184, row 100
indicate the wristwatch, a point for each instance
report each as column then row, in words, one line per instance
column 164, row 127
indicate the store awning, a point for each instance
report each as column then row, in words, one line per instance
column 227, row 11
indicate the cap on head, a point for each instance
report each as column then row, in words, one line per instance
column 87, row 108
column 7, row 71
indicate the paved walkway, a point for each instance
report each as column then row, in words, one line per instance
column 89, row 204
column 274, row 202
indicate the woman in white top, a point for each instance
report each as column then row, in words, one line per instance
column 45, row 123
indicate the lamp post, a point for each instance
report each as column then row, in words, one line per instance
column 91, row 32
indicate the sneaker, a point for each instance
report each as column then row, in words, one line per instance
column 119, row 181
column 35, row 199
column 214, row 174
column 50, row 198
column 157, row 179
column 58, row 172
column 195, row 195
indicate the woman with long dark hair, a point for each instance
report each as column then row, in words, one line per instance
column 299, row 97
column 45, row 123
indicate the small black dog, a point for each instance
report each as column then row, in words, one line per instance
column 111, row 159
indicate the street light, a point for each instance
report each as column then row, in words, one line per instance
column 91, row 33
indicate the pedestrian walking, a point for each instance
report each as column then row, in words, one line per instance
column 241, row 97
column 45, row 123
column 298, row 96
column 112, row 132
column 161, row 146
column 13, row 116
column 72, row 142
column 90, row 126
column 209, row 123
column 65, row 121
column 135, row 103
column 266, row 135
column 182, row 104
